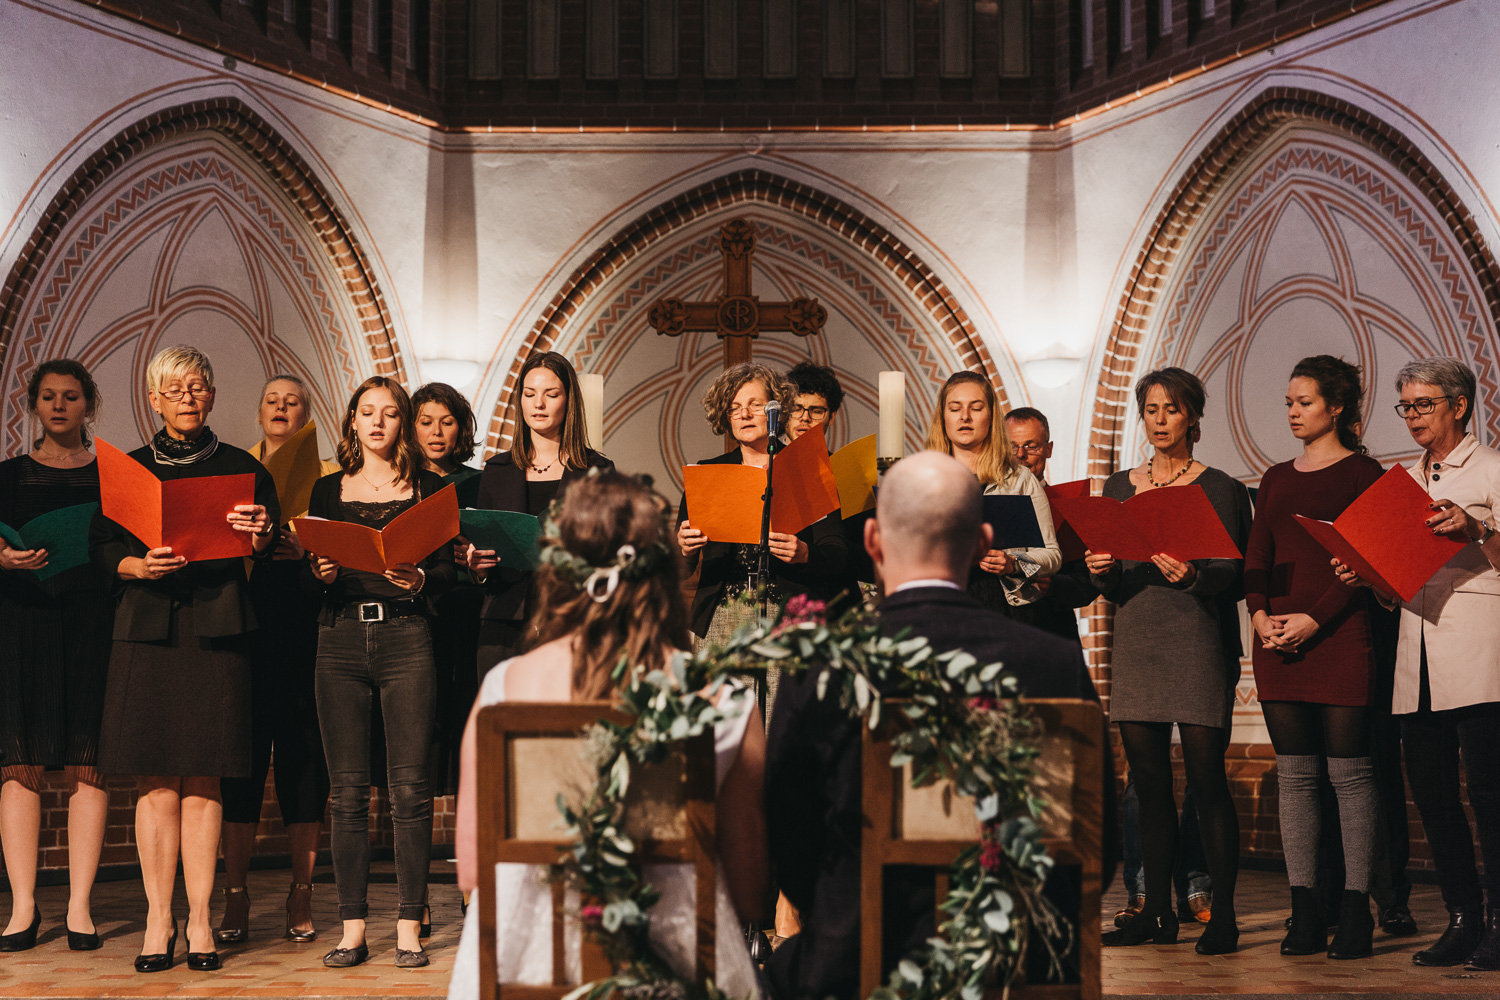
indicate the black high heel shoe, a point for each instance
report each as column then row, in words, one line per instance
column 1220, row 937
column 23, row 940
column 160, row 962
column 80, row 941
column 1143, row 927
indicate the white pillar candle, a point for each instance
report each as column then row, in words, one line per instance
column 593, row 408
column 890, row 442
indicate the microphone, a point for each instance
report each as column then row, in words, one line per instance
column 773, row 418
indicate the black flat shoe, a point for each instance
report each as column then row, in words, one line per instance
column 1142, row 928
column 1397, row 921
column 159, row 962
column 84, row 942
column 204, row 961
column 23, row 940
column 411, row 959
column 347, row 958
column 1220, row 937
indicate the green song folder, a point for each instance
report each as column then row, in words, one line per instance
column 64, row 533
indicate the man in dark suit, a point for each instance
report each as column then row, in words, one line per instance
column 926, row 534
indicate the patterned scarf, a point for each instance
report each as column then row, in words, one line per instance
column 170, row 451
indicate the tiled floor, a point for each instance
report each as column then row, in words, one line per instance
column 269, row 967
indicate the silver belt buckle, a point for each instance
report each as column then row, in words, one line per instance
column 371, row 612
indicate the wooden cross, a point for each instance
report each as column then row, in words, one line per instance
column 737, row 316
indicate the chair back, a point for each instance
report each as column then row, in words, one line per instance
column 528, row 753
column 929, row 827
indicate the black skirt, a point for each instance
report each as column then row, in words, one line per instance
column 52, row 677
column 179, row 708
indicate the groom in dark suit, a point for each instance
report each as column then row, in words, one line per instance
column 926, row 534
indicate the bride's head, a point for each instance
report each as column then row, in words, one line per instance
column 610, row 577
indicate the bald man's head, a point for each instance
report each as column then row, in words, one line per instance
column 927, row 522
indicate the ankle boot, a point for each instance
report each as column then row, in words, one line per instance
column 1486, row 957
column 1356, row 927
column 1458, row 941
column 1307, row 930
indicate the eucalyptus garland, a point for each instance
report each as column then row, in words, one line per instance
column 962, row 722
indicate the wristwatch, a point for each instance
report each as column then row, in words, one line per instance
column 1485, row 534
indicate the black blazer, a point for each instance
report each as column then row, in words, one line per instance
column 502, row 486
column 214, row 587
column 813, row 782
column 823, row 575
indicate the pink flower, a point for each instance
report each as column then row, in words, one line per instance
column 801, row 610
column 983, row 703
column 990, row 854
column 592, row 915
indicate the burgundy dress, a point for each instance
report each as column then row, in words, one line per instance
column 1286, row 572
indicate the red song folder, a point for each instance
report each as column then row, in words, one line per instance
column 412, row 535
column 1382, row 537
column 1178, row 521
column 1067, row 539
column 186, row 514
column 724, row 500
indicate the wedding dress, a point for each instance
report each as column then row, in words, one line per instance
column 523, row 907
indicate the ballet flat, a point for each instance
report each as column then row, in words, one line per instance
column 411, row 959
column 347, row 958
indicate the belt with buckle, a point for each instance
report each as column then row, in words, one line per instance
column 379, row 611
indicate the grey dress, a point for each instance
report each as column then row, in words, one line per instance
column 1177, row 649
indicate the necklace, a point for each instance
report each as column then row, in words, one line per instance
column 63, row 457
column 377, row 487
column 539, row 469
column 1152, row 479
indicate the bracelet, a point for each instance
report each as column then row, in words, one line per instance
column 420, row 583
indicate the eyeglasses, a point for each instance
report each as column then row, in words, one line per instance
column 749, row 409
column 1424, row 405
column 816, row 412
column 176, row 395
column 1028, row 449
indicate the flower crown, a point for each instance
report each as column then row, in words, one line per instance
column 600, row 581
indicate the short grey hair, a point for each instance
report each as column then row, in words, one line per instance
column 177, row 360
column 1449, row 374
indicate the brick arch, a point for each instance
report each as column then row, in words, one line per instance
column 253, row 137
column 644, row 234
column 1240, row 139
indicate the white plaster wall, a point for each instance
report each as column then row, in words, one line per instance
column 470, row 236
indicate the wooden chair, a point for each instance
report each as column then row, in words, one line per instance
column 928, row 828
column 529, row 752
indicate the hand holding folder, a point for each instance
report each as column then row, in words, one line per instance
column 1383, row 536
column 185, row 515
column 61, row 536
column 724, row 501
column 511, row 535
column 1178, row 521
column 412, row 535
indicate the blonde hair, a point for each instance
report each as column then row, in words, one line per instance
column 997, row 462
column 177, row 360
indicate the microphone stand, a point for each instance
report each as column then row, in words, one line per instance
column 763, row 555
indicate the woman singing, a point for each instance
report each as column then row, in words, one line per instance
column 284, row 715
column 1176, row 660
column 177, row 707
column 811, row 561
column 1313, row 657
column 57, row 648
column 374, row 645
column 969, row 426
column 1447, row 685
column 550, row 449
column 614, row 580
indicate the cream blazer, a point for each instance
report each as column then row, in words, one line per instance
column 1457, row 612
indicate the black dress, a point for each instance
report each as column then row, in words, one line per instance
column 56, row 631
column 178, row 700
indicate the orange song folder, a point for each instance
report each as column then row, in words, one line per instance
column 1067, row 539
column 724, row 500
column 186, row 514
column 1382, row 538
column 1178, row 521
column 411, row 537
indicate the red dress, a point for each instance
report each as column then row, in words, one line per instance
column 1286, row 572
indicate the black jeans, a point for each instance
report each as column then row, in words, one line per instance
column 357, row 663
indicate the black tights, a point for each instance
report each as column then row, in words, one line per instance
column 1148, row 748
column 1300, row 729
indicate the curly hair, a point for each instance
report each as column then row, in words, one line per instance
column 408, row 460
column 720, row 396
column 998, row 462
column 454, row 402
column 644, row 619
column 1339, row 384
column 817, row 380
column 74, row 370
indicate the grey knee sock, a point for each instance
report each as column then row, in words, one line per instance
column 1297, row 795
column 1359, row 808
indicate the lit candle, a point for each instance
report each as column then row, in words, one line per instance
column 890, row 442
column 593, row 408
